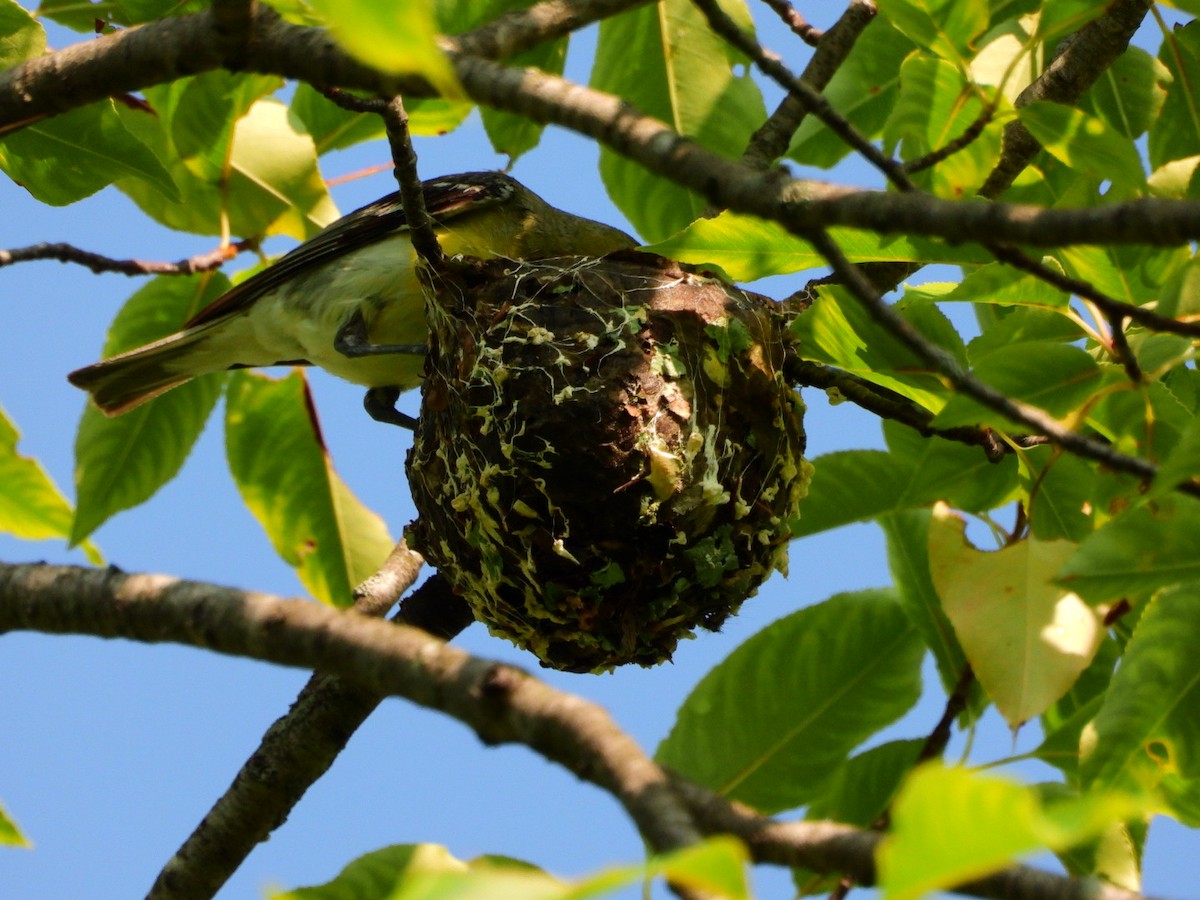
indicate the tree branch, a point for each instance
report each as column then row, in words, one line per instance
column 826, row 847
column 1075, row 68
column 68, row 253
column 171, row 48
column 944, row 363
column 772, row 138
column 412, row 197
column 295, row 751
column 503, row 704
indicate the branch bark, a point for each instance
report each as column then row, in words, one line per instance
column 503, row 704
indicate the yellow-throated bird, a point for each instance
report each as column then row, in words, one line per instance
column 348, row 300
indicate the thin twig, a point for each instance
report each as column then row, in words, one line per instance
column 964, row 140
column 941, row 361
column 813, row 99
column 354, row 103
column 772, row 138
column 68, row 253
column 796, row 22
column 420, row 224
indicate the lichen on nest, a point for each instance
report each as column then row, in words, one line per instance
column 608, row 454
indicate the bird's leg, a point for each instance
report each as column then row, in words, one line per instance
column 351, row 340
column 380, row 403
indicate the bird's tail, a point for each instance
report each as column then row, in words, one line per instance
column 127, row 380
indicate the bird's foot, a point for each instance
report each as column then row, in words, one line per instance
column 380, row 404
column 351, row 340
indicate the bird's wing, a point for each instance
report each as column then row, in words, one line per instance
column 445, row 198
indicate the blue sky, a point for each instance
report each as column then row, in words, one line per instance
column 111, row 751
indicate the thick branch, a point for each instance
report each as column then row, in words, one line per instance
column 171, row 48
column 1075, row 68
column 826, row 847
column 771, row 140
column 501, row 703
column 298, row 748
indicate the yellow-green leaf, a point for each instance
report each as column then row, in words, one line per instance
column 10, row 835
column 285, row 476
column 31, row 505
column 749, row 248
column 394, row 36
column 950, row 825
column 1026, row 637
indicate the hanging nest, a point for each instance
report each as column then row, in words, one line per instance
column 608, row 455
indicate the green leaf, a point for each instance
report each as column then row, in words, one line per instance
column 857, row 793
column 1054, row 376
column 950, row 825
column 376, row 874
column 1067, row 16
column 31, row 505
column 1182, row 463
column 10, row 835
column 714, row 867
column 945, row 27
column 1148, row 725
column 908, row 558
column 398, row 37
column 1129, row 94
column 286, row 478
column 1060, row 488
column 1085, row 143
column 270, row 184
column 123, row 461
column 936, row 105
column 684, row 76
column 1146, row 548
column 68, row 157
column 1026, row 637
column 748, row 248
column 838, row 331
column 863, row 91
column 511, row 134
column 1004, row 285
column 335, row 128
column 21, row 36
column 784, row 710
column 853, row 485
column 1175, row 133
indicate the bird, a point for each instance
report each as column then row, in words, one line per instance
column 349, row 300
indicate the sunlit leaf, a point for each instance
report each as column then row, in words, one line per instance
column 121, row 462
column 10, row 835
column 1175, row 133
column 863, row 91
column 748, row 248
column 1147, row 725
column 285, row 476
column 945, row 27
column 1146, row 548
column 268, row 184
column 768, row 724
column 684, row 76
column 1129, row 94
column 1085, row 143
column 950, row 825
column 1053, row 376
column 21, row 36
column 31, row 505
column 1026, row 637
column 395, row 36
column 908, row 559
column 68, row 157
